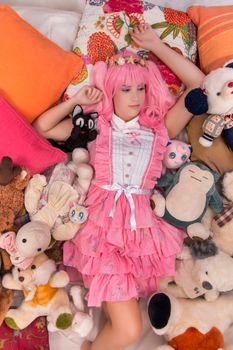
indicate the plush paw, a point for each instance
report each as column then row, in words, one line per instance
column 37, row 182
column 158, row 204
column 11, row 323
column 82, row 324
column 64, row 321
column 197, row 230
column 204, row 142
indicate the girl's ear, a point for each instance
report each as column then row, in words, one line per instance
column 77, row 110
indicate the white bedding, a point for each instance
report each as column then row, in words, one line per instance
column 61, row 26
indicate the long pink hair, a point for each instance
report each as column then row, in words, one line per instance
column 110, row 78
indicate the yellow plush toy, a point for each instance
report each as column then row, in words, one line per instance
column 44, row 294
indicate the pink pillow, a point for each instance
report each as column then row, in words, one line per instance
column 23, row 144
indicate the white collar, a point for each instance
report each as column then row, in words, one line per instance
column 120, row 125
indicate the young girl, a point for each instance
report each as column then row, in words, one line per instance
column 123, row 247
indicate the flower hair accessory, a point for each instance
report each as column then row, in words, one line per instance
column 120, row 61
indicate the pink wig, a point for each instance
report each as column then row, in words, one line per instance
column 110, row 78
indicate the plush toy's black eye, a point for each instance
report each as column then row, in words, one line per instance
column 18, row 270
column 33, row 267
column 39, row 249
column 206, row 272
column 24, row 240
column 218, row 93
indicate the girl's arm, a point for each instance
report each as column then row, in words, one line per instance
column 53, row 123
column 178, row 116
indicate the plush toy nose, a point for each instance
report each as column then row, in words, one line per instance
column 21, row 279
column 196, row 102
column 206, row 285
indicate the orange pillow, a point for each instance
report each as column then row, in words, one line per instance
column 215, row 35
column 34, row 71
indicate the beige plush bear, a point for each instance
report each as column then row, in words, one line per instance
column 203, row 270
column 44, row 294
column 60, row 202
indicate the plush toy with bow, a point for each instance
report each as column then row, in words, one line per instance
column 44, row 294
column 191, row 324
column 216, row 98
column 32, row 239
column 59, row 202
column 188, row 194
column 83, row 131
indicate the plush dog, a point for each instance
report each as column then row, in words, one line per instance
column 44, row 294
column 201, row 270
column 60, row 202
column 216, row 98
column 191, row 324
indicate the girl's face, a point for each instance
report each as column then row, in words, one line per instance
column 129, row 100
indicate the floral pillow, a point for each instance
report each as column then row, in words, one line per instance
column 104, row 29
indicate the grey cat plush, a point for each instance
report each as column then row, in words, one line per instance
column 189, row 192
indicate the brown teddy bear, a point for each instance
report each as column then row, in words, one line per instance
column 13, row 181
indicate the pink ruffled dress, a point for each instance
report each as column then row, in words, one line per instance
column 123, row 247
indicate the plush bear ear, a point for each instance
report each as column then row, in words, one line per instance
column 196, row 102
column 77, row 110
column 159, row 311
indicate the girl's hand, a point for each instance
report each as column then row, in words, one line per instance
column 145, row 36
column 87, row 95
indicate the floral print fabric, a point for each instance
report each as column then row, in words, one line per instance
column 105, row 29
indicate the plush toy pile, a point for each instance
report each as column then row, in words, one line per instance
column 194, row 308
column 35, row 213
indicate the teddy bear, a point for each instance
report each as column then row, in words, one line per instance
column 44, row 294
column 216, row 98
column 201, row 270
column 191, row 324
column 83, row 131
column 32, row 239
column 188, row 194
column 59, row 202
column 13, row 181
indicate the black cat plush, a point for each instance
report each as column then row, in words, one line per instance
column 83, row 131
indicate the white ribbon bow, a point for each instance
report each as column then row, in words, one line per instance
column 128, row 191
